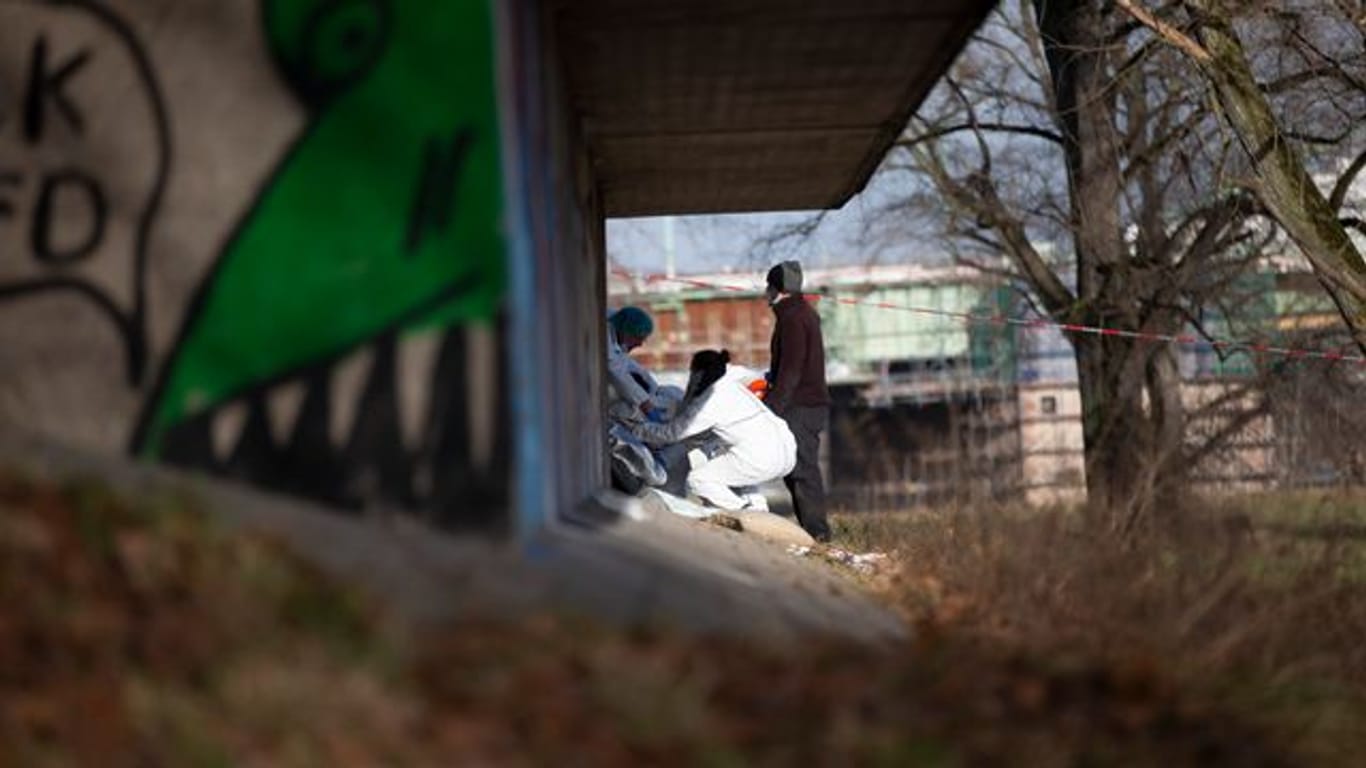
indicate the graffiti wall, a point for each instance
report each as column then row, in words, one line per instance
column 262, row 239
column 559, row 282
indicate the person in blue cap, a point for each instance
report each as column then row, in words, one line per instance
column 627, row 329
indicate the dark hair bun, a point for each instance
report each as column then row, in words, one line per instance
column 708, row 366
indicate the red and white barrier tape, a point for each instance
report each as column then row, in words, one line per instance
column 1184, row 339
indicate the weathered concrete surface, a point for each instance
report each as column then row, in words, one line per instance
column 161, row 161
column 739, row 105
column 763, row 524
column 662, row 569
column 767, row 525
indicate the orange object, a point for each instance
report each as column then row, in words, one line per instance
column 759, row 387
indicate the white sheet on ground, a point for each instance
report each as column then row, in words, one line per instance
column 682, row 507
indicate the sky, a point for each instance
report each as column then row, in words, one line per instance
column 861, row 232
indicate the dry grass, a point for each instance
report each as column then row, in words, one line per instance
column 1255, row 604
column 134, row 633
column 137, row 634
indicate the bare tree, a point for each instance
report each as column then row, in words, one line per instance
column 1065, row 123
column 1304, row 57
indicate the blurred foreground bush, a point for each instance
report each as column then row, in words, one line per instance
column 135, row 633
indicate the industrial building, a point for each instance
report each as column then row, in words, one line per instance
column 937, row 400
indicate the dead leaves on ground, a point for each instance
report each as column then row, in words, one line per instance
column 136, row 634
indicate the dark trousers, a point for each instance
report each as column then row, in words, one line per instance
column 805, row 483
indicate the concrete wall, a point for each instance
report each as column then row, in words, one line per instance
column 1054, row 466
column 558, row 277
column 962, row 449
column 1246, row 462
column 1053, row 463
column 266, row 239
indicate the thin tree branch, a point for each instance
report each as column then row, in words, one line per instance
column 1344, row 182
column 1166, row 31
column 988, row 127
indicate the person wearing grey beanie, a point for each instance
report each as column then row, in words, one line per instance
column 797, row 390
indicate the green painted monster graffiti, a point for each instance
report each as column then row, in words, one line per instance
column 384, row 216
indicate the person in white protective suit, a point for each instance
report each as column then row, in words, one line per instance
column 756, row 446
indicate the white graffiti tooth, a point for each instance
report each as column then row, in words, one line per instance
column 283, row 403
column 416, row 364
column 226, row 428
column 481, row 380
column 347, row 384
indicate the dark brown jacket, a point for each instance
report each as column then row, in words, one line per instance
column 797, row 366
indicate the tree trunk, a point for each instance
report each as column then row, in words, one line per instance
column 1112, row 427
column 1134, row 425
column 1114, row 430
column 1078, row 57
column 1168, row 469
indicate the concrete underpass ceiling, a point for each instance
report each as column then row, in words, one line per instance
column 708, row 106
